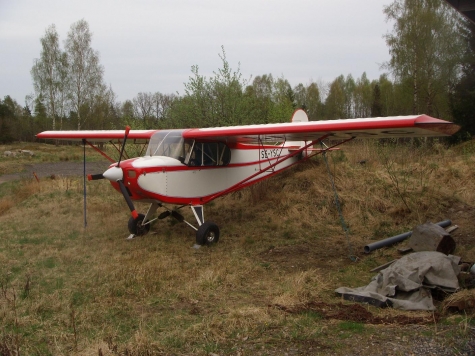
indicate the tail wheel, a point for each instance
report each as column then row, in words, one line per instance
column 207, row 234
column 137, row 227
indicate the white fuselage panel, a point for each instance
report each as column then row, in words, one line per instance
column 193, row 182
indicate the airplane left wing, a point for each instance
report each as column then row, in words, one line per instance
column 380, row 127
column 116, row 136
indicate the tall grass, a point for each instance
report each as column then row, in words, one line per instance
column 66, row 289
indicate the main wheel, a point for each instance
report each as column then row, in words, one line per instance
column 207, row 234
column 137, row 227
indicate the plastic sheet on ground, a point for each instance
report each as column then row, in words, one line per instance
column 407, row 283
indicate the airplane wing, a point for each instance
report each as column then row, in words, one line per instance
column 117, row 136
column 395, row 126
column 298, row 130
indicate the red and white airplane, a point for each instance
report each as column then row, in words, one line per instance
column 191, row 167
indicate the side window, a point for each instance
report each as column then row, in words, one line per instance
column 224, row 154
column 210, row 154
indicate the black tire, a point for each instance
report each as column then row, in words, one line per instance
column 207, row 234
column 136, row 227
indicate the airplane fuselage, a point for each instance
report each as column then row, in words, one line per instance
column 194, row 166
column 169, row 180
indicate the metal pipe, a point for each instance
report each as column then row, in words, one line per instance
column 398, row 238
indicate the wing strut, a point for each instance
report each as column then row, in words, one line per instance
column 266, row 169
column 84, row 180
column 99, row 150
column 293, row 153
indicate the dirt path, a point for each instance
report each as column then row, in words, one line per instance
column 56, row 168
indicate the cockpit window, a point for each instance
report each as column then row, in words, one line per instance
column 171, row 143
column 209, row 154
column 167, row 143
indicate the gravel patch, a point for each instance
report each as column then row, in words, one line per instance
column 57, row 169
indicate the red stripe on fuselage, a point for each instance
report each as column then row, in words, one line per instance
column 137, row 193
column 140, row 194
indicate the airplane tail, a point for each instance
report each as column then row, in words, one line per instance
column 298, row 116
column 301, row 116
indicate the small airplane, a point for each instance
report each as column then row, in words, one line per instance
column 191, row 167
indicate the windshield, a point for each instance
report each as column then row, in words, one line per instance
column 168, row 143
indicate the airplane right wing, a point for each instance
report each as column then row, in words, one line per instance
column 379, row 127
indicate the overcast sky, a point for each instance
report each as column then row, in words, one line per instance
column 150, row 46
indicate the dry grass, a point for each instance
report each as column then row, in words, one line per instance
column 70, row 290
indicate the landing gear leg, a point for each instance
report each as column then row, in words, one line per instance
column 207, row 232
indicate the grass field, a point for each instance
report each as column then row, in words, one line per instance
column 267, row 288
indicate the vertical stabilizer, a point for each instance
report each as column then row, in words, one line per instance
column 298, row 116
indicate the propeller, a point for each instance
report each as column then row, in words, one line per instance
column 129, row 202
column 116, row 174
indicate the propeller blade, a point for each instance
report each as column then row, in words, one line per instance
column 129, row 202
column 95, row 176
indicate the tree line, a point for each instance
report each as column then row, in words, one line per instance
column 431, row 70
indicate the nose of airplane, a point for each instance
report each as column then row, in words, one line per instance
column 114, row 174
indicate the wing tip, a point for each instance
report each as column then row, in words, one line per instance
column 444, row 127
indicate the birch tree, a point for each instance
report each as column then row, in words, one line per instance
column 49, row 75
column 425, row 51
column 85, row 72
